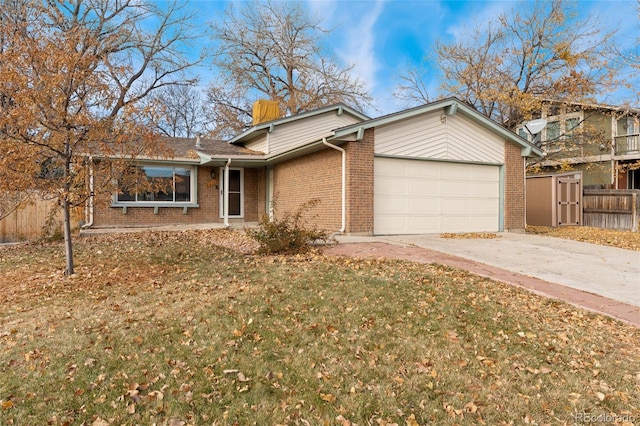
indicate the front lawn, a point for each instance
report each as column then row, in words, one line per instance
column 607, row 237
column 171, row 328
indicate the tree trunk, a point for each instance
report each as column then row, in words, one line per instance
column 68, row 244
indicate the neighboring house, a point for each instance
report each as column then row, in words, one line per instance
column 601, row 141
column 441, row 167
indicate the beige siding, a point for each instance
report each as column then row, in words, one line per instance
column 297, row 133
column 437, row 136
column 258, row 144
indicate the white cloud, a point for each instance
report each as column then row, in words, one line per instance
column 480, row 17
column 358, row 41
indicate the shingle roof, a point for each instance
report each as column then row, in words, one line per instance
column 186, row 147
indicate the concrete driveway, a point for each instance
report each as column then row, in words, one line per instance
column 608, row 271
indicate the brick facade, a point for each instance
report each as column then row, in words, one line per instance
column 207, row 212
column 316, row 175
column 360, row 185
column 514, row 195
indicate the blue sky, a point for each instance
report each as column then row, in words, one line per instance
column 381, row 38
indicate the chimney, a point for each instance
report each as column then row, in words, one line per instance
column 265, row 110
column 198, row 144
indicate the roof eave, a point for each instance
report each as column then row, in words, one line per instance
column 450, row 106
column 269, row 126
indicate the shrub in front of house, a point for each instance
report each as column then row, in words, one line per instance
column 289, row 234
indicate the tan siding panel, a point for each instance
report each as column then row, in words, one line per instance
column 297, row 133
column 423, row 136
column 468, row 141
column 259, row 144
column 436, row 137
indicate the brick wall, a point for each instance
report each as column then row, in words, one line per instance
column 207, row 212
column 514, row 195
column 253, row 194
column 360, row 185
column 312, row 176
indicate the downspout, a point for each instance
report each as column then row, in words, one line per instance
column 226, row 193
column 344, row 183
column 89, row 215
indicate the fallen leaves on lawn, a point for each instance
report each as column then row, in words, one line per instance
column 159, row 327
column 470, row 235
column 605, row 237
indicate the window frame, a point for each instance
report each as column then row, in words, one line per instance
column 193, row 193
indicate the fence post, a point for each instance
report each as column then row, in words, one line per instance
column 634, row 210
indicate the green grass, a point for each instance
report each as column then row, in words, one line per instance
column 166, row 327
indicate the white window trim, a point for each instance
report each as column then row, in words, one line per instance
column 221, row 203
column 193, row 186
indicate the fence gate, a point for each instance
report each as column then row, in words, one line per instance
column 569, row 207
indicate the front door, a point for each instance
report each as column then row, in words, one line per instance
column 236, row 195
column 569, row 195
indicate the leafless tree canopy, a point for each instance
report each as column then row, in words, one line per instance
column 273, row 51
column 181, row 111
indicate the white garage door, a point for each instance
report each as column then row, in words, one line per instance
column 419, row 197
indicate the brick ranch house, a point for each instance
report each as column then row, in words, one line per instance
column 440, row 167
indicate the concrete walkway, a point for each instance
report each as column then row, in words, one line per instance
column 598, row 278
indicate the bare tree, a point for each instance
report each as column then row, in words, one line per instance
column 412, row 87
column 533, row 53
column 273, row 51
column 73, row 74
column 181, row 111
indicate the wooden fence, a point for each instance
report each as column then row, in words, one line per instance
column 30, row 221
column 611, row 208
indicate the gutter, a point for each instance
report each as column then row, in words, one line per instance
column 226, row 193
column 344, row 183
column 89, row 213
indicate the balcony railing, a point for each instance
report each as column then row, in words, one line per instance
column 628, row 144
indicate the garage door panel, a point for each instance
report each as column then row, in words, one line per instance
column 393, row 224
column 452, row 171
column 454, row 187
column 477, row 172
column 426, row 206
column 455, row 223
column 483, row 224
column 456, row 206
column 392, row 185
column 415, row 169
column 426, row 224
column 394, row 204
column 482, row 189
column 430, row 197
column 423, row 187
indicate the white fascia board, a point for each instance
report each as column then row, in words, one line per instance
column 150, row 159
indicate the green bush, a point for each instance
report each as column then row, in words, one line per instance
column 290, row 234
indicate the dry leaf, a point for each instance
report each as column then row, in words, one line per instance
column 327, row 397
column 242, row 378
